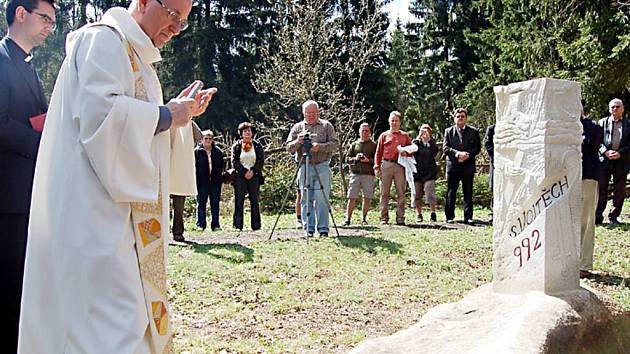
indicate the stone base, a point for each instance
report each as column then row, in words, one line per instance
column 579, row 321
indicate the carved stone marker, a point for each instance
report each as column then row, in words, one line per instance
column 537, row 187
column 537, row 207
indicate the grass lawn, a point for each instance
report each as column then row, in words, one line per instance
column 248, row 295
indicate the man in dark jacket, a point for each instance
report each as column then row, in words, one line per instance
column 21, row 98
column 461, row 145
column 591, row 140
column 489, row 145
column 209, row 170
column 614, row 155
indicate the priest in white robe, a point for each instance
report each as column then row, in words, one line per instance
column 95, row 274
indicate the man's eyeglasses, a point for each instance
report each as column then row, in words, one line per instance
column 47, row 20
column 174, row 16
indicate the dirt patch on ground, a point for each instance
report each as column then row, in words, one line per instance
column 248, row 237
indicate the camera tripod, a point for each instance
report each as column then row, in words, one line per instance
column 306, row 188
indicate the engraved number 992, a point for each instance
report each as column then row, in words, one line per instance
column 525, row 250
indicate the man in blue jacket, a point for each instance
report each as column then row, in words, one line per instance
column 209, row 161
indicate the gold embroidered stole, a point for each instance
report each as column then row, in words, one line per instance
column 151, row 250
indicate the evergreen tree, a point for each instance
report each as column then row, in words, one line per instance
column 442, row 62
column 222, row 48
column 375, row 86
column 586, row 41
column 399, row 70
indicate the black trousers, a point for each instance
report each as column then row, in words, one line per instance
column 178, row 214
column 619, row 190
column 13, row 232
column 452, row 181
column 243, row 186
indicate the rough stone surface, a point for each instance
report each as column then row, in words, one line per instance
column 579, row 321
column 537, row 184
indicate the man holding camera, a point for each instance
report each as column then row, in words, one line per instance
column 361, row 160
column 318, row 135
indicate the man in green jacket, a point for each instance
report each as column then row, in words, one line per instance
column 361, row 159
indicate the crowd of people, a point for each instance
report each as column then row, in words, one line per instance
column 605, row 155
column 366, row 159
column 91, row 191
column 386, row 159
column 604, row 152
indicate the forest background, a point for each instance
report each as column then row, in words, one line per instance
column 268, row 56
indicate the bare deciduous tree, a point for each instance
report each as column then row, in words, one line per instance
column 315, row 56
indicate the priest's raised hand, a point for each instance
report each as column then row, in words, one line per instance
column 184, row 108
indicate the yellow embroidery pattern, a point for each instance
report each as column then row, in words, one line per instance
column 149, row 231
column 160, row 317
column 150, row 247
column 132, row 59
column 153, row 270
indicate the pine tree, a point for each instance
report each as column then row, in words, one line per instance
column 586, row 41
column 442, row 62
column 221, row 48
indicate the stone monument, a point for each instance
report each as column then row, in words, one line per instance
column 537, row 184
column 534, row 304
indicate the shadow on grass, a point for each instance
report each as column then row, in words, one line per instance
column 483, row 223
column 359, row 227
column 370, row 244
column 619, row 226
column 230, row 252
column 433, row 226
column 610, row 280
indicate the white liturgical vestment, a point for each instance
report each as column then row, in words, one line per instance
column 95, row 264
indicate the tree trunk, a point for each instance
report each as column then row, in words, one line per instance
column 342, row 172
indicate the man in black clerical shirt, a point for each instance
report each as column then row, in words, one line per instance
column 22, row 103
